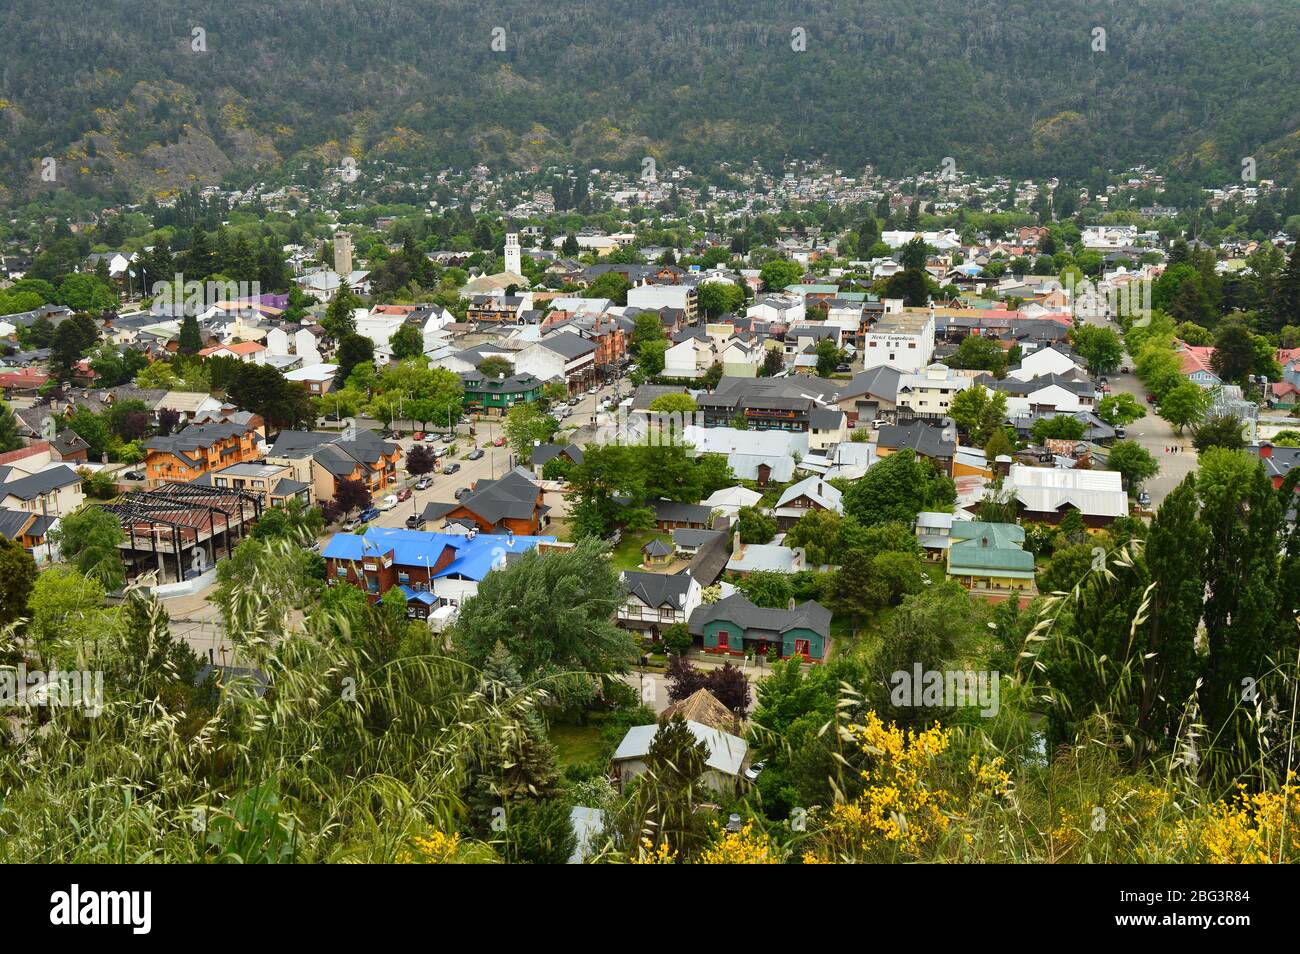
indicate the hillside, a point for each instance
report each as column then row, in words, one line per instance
column 117, row 92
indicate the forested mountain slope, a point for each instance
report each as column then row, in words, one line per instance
column 115, row 89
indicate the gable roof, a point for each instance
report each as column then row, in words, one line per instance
column 658, row 589
column 737, row 609
column 726, row 751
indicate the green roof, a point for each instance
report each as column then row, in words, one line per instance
column 989, row 548
column 814, row 289
column 1003, row 535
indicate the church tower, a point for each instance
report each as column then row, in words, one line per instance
column 513, row 253
column 343, row 253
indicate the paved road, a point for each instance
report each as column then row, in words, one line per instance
column 495, row 461
column 1153, row 432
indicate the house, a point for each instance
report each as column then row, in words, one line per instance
column 811, row 493
column 938, row 444
column 656, row 601
column 1197, row 365
column 1044, row 361
column 723, row 769
column 316, row 379
column 322, row 459
column 688, row 542
column 247, row 351
column 761, row 456
column 703, row 707
column 544, row 453
column 933, row 533
column 729, row 500
column 510, row 504
column 431, row 569
column 32, row 531
column 990, row 557
column 675, row 515
column 656, row 553
column 734, row 626
column 827, row 427
column 1046, row 494
column 52, row 491
column 495, row 396
column 274, row 483
column 872, row 394
column 197, row 449
column 562, row 356
column 928, row 394
column 689, row 359
column 654, row 297
column 1278, row 460
column 749, row 558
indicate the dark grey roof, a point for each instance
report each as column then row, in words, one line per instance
column 196, row 437
column 675, row 511
column 513, row 495
column 923, row 438
column 881, row 381
column 42, row 482
column 12, row 522
column 739, row 610
column 687, row 537
column 658, row 589
column 825, row 418
column 568, row 345
column 657, row 547
column 546, row 452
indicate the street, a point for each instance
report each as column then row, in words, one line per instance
column 1152, row 432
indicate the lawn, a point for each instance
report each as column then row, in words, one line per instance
column 575, row 744
column 627, row 555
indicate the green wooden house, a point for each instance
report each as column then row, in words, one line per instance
column 734, row 626
column 498, row 395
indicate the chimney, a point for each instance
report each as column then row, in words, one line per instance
column 737, row 548
column 790, row 605
column 1265, row 449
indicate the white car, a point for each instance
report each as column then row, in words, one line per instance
column 388, row 503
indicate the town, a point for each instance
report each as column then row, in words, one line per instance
column 635, row 471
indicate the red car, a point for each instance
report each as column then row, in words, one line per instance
column 499, row 442
column 1151, row 399
column 404, row 494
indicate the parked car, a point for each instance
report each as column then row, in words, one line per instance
column 449, row 438
column 440, row 451
column 352, row 524
column 133, row 475
column 313, row 547
column 462, row 492
column 1151, row 399
column 368, row 515
column 415, row 521
column 404, row 494
column 499, row 442
column 1120, row 432
column 754, row 771
column 1144, row 499
column 430, row 438
column 424, row 483
column 475, row 454
column 843, row 367
column 451, row 468
column 574, row 401
column 388, row 503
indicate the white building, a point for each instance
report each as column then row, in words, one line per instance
column 904, row 341
column 929, row 394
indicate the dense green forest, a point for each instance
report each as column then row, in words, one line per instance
column 118, row 93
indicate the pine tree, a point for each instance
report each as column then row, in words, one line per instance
column 190, row 341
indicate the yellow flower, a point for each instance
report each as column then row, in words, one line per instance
column 651, row 854
column 739, row 848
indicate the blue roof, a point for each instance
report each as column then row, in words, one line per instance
column 420, row 596
column 475, row 556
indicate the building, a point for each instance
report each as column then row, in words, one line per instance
column 1278, row 460
column 811, row 493
column 749, row 558
column 656, row 601
column 734, row 626
column 723, row 769
column 198, row 449
column 510, row 504
column 1046, row 494
column 990, row 557
column 488, row 395
column 432, row 569
column 928, row 394
column 273, row 483
column 904, row 341
column 322, row 459
column 938, row 444
column 32, row 532
column 52, row 491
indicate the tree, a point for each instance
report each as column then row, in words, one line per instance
column 494, row 366
column 999, row 445
column 780, row 272
column 773, row 363
column 190, row 340
column 17, row 577
column 157, row 375
column 819, row 533
column 263, row 390
column 10, row 439
column 829, row 355
column 1101, row 348
column 1222, row 430
column 674, row 404
column 766, row 588
column 1234, row 352
column 1062, row 427
column 420, row 460
column 678, row 639
column 353, row 350
column 1120, row 408
column 350, row 495
column 407, row 342
column 718, row 298
column 898, row 487
column 552, row 611
column 1185, row 404
column 1133, row 462
column 979, row 412
column 977, row 352
column 611, row 285
column 526, row 424
column 754, row 525
column 854, row 589
column 89, row 539
column 339, row 320
column 650, row 359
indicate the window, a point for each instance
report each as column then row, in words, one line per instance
column 403, row 577
column 341, row 570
